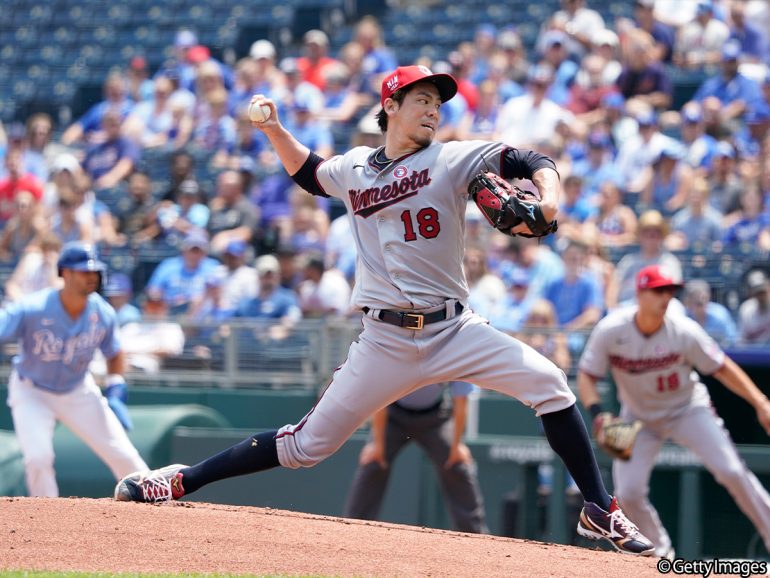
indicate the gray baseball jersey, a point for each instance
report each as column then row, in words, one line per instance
column 653, row 374
column 404, row 261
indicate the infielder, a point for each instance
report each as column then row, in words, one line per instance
column 651, row 354
column 406, row 203
column 58, row 331
column 423, row 416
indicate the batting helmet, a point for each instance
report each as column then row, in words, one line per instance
column 80, row 256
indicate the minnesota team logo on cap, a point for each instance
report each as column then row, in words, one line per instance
column 406, row 75
column 654, row 276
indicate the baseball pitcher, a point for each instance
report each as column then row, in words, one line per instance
column 652, row 354
column 58, row 332
column 406, row 203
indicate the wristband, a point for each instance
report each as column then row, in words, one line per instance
column 595, row 410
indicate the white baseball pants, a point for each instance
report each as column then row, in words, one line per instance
column 388, row 362
column 85, row 412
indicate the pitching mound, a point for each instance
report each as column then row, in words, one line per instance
column 107, row 536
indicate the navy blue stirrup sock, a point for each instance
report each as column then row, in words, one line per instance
column 254, row 454
column 567, row 434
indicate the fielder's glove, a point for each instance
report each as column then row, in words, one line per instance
column 615, row 436
column 505, row 206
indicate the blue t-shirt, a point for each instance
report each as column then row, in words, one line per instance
column 179, row 285
column 571, row 299
column 280, row 303
column 737, row 88
column 102, row 158
column 720, row 324
column 746, row 230
column 54, row 349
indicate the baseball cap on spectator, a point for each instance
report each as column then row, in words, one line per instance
column 509, row 40
column 614, row 100
column 554, row 38
column 599, row 140
column 196, row 239
column 236, row 247
column 198, row 53
column 655, row 276
column 691, row 112
column 540, row 74
column 137, row 63
column 704, row 6
column 316, row 37
column 653, row 219
column 731, row 50
column 65, row 162
column 117, row 284
column 403, row 76
column 756, row 281
column 605, row 37
column 647, row 118
column 724, row 149
column 262, row 49
column 289, row 65
column 518, row 278
column 267, row 264
column 185, row 39
column 189, row 187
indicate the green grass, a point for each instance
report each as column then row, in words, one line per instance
column 30, row 574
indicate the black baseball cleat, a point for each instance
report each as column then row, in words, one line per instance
column 613, row 526
column 151, row 486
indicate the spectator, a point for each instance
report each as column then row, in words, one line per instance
column 151, row 121
column 714, row 317
column 322, row 292
column 137, row 214
column 532, row 118
column 316, row 59
column 699, row 42
column 340, row 251
column 181, row 169
column 298, row 90
column 669, row 180
column 644, row 19
column 575, row 208
column 754, row 312
column 273, row 301
column 244, row 86
column 541, row 263
column 588, row 90
column 653, row 230
column 214, row 132
column 41, row 149
column 577, row 297
column 65, row 222
column 378, row 58
column 148, row 342
column 516, row 65
column 174, row 220
column 179, row 281
column 579, row 23
column 597, row 167
column 540, row 332
column 139, row 85
column 724, row 179
column 639, row 152
column 89, row 128
column 615, row 223
column 725, row 97
column 556, row 56
column 751, row 37
column 114, row 158
column 310, row 131
column 606, row 45
column 16, row 180
column 179, row 65
column 510, row 313
column 26, row 224
column 233, row 216
column 238, row 281
column 118, row 291
column 751, row 225
column 698, row 224
column 268, row 77
column 210, row 309
column 643, row 79
column 700, row 146
column 487, row 291
column 37, row 268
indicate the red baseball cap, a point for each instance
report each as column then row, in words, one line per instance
column 654, row 276
column 406, row 75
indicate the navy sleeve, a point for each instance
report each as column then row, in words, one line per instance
column 305, row 176
column 522, row 164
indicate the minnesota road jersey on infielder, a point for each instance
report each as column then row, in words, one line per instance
column 653, row 374
column 418, row 200
column 56, row 349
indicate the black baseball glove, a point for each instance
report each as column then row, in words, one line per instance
column 505, row 206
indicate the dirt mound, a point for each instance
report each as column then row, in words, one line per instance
column 107, row 536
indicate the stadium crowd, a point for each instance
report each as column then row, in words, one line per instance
column 170, row 159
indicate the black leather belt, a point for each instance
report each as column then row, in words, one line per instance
column 414, row 320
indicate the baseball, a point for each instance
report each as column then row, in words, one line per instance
column 259, row 112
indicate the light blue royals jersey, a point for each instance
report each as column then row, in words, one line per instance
column 55, row 350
